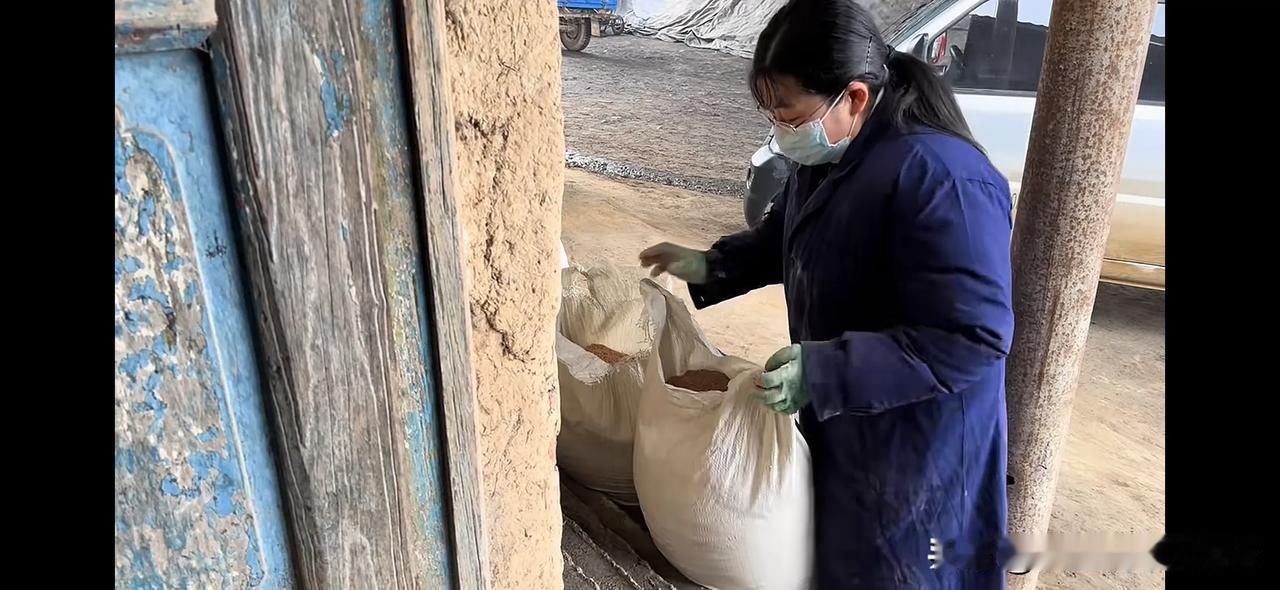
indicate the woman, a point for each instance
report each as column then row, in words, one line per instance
column 892, row 243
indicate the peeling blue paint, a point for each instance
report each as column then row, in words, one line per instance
column 130, row 265
column 203, row 464
column 160, row 346
column 342, row 228
column 123, row 153
column 150, row 387
column 336, row 108
column 153, row 146
column 226, row 484
column 127, row 460
column 254, row 558
column 417, row 444
column 132, row 363
column 134, row 321
column 145, row 212
column 144, row 577
column 174, row 264
column 147, row 291
column 421, row 426
column 170, row 486
column 152, row 403
column 182, row 374
column 174, row 539
column 424, row 441
column 223, row 495
column 339, row 61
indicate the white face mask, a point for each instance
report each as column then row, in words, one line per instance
column 807, row 144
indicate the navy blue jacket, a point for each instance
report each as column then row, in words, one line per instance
column 895, row 263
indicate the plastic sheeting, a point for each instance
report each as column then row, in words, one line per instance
column 731, row 26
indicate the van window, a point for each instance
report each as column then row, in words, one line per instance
column 1152, row 89
column 999, row 47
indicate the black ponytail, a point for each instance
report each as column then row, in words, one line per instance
column 826, row 44
column 919, row 96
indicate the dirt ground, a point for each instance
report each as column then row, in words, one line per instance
column 683, row 112
column 1112, row 477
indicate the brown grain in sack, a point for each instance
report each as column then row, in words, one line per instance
column 701, row 380
column 606, row 354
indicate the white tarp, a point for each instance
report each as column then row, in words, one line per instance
column 731, row 26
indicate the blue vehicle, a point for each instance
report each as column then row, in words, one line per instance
column 576, row 17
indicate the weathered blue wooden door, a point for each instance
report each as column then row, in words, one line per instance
column 197, row 502
column 292, row 381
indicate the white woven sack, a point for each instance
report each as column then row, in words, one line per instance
column 600, row 305
column 724, row 482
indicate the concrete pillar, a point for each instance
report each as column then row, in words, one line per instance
column 1088, row 89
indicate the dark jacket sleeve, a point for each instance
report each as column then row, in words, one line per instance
column 747, row 260
column 952, row 277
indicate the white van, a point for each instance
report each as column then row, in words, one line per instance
column 991, row 52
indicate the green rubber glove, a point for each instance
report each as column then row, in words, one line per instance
column 782, row 383
column 686, row 264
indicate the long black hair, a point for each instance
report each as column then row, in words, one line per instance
column 826, row 44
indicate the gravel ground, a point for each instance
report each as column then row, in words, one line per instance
column 661, row 112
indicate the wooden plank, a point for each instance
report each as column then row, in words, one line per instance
column 433, row 123
column 313, row 100
column 159, row 25
column 603, row 519
column 593, row 563
column 619, row 535
column 197, row 500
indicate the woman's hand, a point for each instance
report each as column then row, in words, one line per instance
column 782, row 383
column 686, row 264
